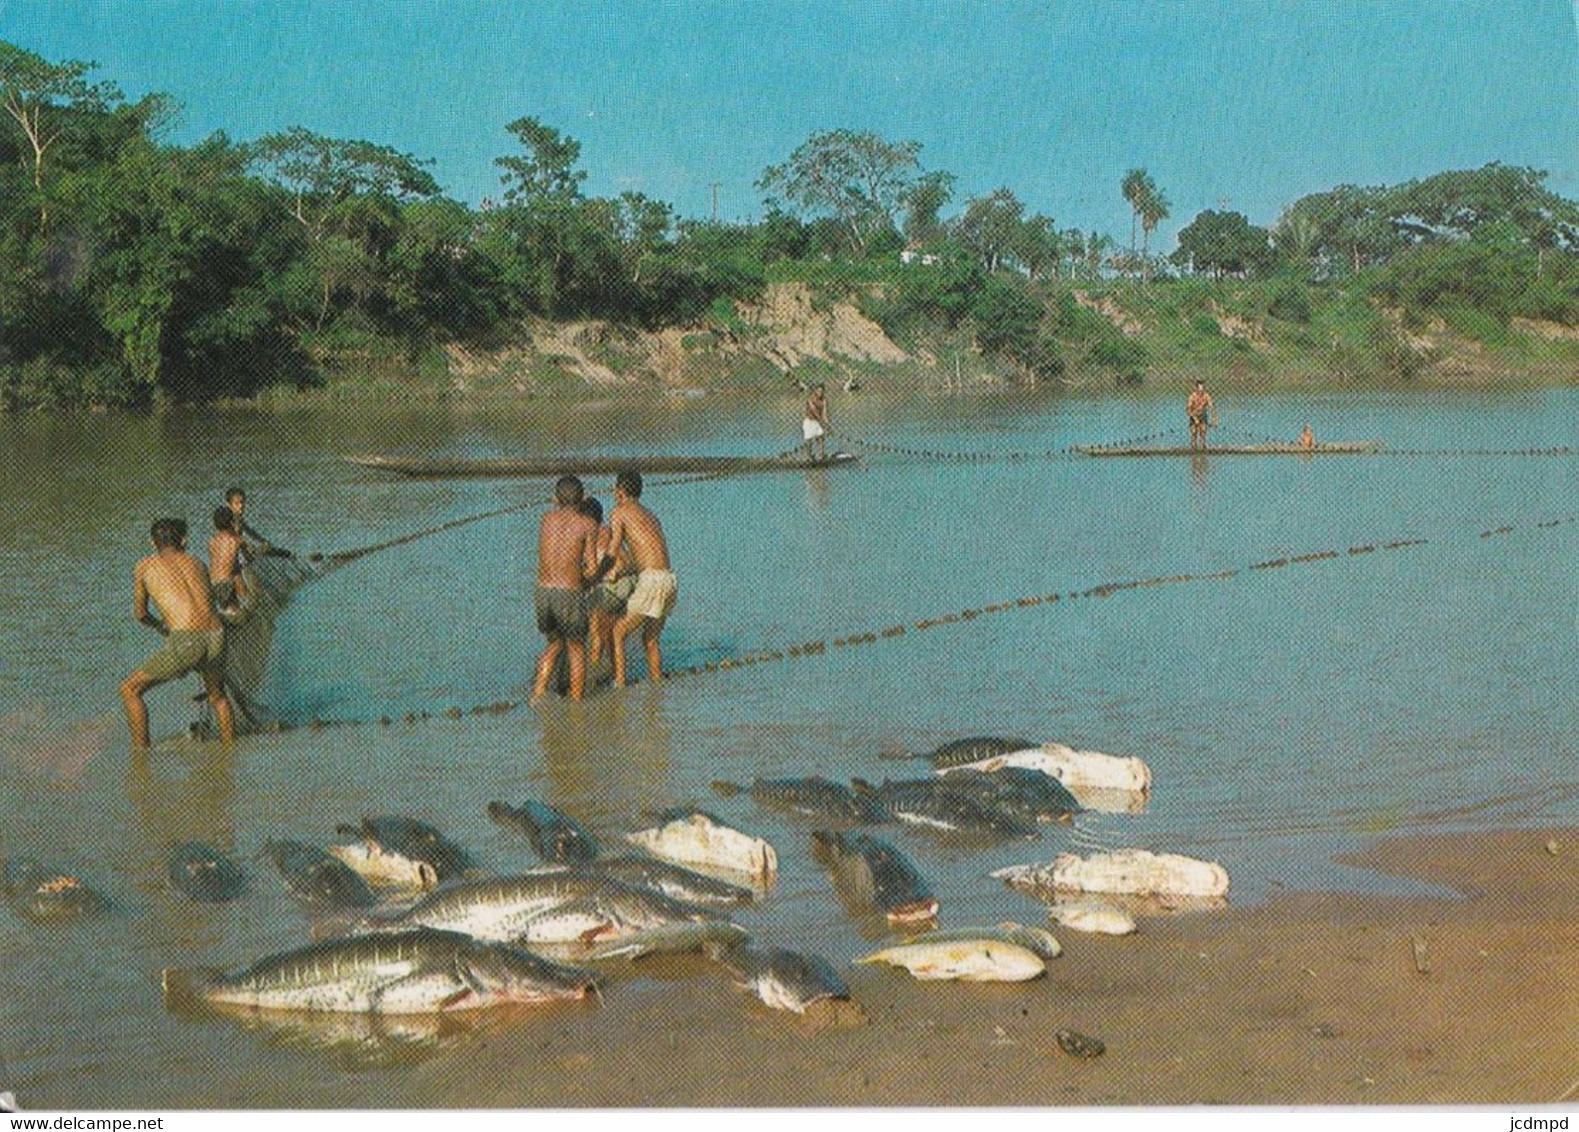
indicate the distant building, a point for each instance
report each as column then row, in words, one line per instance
column 916, row 255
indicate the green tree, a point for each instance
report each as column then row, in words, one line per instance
column 1136, row 187
column 546, row 170
column 861, row 179
column 1223, row 243
column 923, row 204
column 990, row 227
column 42, row 98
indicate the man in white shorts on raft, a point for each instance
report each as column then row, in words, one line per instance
column 632, row 525
column 814, row 426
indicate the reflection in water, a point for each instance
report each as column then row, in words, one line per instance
column 350, row 1041
column 817, row 487
column 1198, row 465
column 610, row 755
column 36, row 746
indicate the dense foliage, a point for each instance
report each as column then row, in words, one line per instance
column 133, row 270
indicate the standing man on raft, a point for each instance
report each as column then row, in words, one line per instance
column 178, row 585
column 566, row 557
column 814, row 426
column 1202, row 413
column 651, row 602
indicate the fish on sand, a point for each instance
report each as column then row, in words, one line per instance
column 558, row 906
column 782, row 979
column 415, row 972
column 964, row 956
column 698, row 839
column 870, row 874
column 1136, row 872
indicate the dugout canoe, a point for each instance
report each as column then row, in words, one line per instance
column 1334, row 449
column 548, row 466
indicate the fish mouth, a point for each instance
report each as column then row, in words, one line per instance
column 915, row 912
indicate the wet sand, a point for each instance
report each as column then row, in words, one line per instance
column 1309, row 999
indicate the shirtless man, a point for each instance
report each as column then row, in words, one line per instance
column 651, row 602
column 566, row 557
column 606, row 601
column 224, row 565
column 179, row 587
column 814, row 428
column 253, row 544
column 1307, row 439
column 1203, row 415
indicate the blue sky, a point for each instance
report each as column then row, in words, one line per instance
column 1234, row 103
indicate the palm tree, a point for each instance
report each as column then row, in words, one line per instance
column 1153, row 210
column 1135, row 186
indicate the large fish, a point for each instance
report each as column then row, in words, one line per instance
column 712, row 937
column 813, row 797
column 672, row 880
column 314, row 875
column 556, row 837
column 559, row 906
column 1135, row 872
column 784, row 980
column 1008, row 954
column 962, row 752
column 414, row 840
column 698, row 839
column 44, row 894
column 929, row 805
column 1027, row 794
column 414, row 972
column 1078, row 770
column 204, row 873
column 871, row 874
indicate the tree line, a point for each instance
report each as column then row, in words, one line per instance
column 133, row 269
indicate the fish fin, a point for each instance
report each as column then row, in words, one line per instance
column 860, row 787
column 726, row 789
column 185, row 988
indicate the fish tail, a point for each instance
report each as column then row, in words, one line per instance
column 862, row 788
column 186, row 988
column 726, row 789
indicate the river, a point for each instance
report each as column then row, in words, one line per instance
column 1287, row 712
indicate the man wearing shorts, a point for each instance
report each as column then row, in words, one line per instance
column 650, row 603
column 814, row 426
column 606, row 601
column 566, row 555
column 1202, row 413
column 178, row 585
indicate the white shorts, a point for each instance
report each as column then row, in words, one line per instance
column 811, row 429
column 654, row 595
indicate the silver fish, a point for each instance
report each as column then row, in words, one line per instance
column 415, row 972
column 562, row 906
column 672, row 880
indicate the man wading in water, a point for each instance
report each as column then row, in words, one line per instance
column 179, row 587
column 651, row 601
column 1202, row 413
column 566, row 553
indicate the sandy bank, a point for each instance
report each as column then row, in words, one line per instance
column 1308, row 999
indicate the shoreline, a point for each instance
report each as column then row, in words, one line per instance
column 1327, row 999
